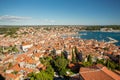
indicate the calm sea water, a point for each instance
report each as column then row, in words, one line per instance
column 100, row 36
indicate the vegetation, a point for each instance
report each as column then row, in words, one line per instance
column 9, row 31
column 53, row 52
column 101, row 61
column 42, row 75
column 112, row 65
column 46, row 61
column 97, row 27
column 60, row 64
column 106, row 62
column 85, row 64
column 76, row 55
column 10, row 49
column 109, row 64
column 89, row 59
column 47, row 74
column 88, row 62
column 73, row 57
column 15, row 72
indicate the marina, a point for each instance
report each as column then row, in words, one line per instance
column 109, row 37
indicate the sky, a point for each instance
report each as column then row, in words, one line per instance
column 59, row 12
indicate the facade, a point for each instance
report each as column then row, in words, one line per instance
column 25, row 47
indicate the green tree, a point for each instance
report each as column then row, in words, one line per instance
column 76, row 50
column 32, row 78
column 76, row 53
column 108, row 63
column 60, row 64
column 73, row 57
column 50, row 71
column 48, row 74
column 53, row 52
column 14, row 49
column 89, row 59
column 101, row 61
column 86, row 64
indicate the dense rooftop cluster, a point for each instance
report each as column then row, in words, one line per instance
column 33, row 43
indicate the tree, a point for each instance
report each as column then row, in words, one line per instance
column 53, row 52
column 48, row 74
column 50, row 71
column 85, row 64
column 79, row 55
column 111, row 64
column 108, row 63
column 89, row 59
column 46, row 60
column 76, row 53
column 73, row 57
column 32, row 78
column 76, row 50
column 65, row 54
column 101, row 61
column 63, row 72
column 14, row 49
column 60, row 64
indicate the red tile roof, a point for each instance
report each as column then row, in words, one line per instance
column 16, row 67
column 110, row 73
column 11, row 76
column 98, row 73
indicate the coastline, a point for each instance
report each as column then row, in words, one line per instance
column 109, row 37
column 99, row 31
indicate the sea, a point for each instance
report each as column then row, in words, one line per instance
column 100, row 36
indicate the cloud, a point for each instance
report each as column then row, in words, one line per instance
column 8, row 18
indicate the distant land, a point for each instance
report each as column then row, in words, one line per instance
column 83, row 27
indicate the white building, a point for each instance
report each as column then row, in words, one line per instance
column 25, row 47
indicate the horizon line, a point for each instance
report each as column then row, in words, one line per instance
column 63, row 25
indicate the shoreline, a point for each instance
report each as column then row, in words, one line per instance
column 99, row 31
column 78, row 35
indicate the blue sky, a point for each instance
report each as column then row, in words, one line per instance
column 60, row 12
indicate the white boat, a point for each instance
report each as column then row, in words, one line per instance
column 112, row 40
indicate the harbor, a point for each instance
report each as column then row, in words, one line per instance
column 108, row 37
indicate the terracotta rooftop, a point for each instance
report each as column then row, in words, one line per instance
column 16, row 67
column 110, row 73
column 11, row 76
column 98, row 73
column 26, row 43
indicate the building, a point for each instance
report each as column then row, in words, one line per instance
column 97, row 72
column 25, row 46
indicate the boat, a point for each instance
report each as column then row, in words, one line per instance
column 111, row 40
